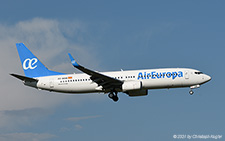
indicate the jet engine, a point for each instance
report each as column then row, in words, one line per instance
column 131, row 85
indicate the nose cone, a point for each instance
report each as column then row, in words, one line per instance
column 207, row 78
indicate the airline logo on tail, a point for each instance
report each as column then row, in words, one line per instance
column 30, row 63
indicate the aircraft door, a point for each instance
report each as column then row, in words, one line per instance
column 186, row 74
column 51, row 83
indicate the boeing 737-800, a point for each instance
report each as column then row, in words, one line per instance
column 133, row 82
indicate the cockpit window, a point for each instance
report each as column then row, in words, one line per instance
column 199, row 72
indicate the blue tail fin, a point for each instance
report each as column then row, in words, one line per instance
column 31, row 65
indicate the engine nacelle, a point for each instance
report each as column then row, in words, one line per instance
column 131, row 85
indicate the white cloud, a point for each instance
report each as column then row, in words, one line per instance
column 26, row 137
column 46, row 38
column 11, row 119
column 50, row 40
column 78, row 127
column 65, row 129
column 76, row 119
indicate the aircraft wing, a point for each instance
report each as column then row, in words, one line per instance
column 108, row 83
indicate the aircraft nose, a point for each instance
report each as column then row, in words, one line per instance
column 207, row 78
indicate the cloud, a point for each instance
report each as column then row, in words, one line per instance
column 11, row 119
column 78, row 127
column 76, row 119
column 50, row 40
column 26, row 137
column 64, row 129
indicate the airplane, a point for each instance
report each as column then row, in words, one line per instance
column 131, row 82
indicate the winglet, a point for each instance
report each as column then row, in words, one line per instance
column 74, row 63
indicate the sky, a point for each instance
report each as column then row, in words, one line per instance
column 109, row 36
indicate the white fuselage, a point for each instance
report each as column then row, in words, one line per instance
column 149, row 78
column 133, row 82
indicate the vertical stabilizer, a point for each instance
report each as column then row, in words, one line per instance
column 31, row 65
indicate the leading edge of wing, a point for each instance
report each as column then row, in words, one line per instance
column 95, row 76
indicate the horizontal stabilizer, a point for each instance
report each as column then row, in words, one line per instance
column 24, row 78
